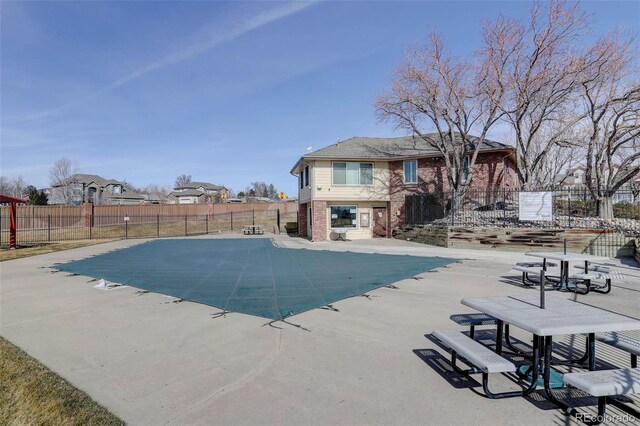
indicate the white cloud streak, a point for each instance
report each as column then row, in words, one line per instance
column 203, row 41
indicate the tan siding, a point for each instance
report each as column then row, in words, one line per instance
column 305, row 195
column 324, row 190
column 359, row 232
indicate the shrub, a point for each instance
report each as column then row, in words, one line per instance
column 626, row 211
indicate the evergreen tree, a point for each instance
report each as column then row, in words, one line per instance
column 37, row 198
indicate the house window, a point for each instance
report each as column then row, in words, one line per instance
column 307, row 182
column 411, row 171
column 301, row 180
column 343, row 216
column 353, row 173
column 465, row 168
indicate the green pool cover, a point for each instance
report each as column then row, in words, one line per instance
column 250, row 276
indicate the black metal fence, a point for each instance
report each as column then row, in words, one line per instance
column 37, row 229
column 571, row 208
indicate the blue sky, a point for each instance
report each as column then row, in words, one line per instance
column 228, row 92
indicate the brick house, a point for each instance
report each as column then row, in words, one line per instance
column 360, row 184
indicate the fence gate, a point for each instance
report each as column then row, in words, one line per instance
column 611, row 243
column 424, row 208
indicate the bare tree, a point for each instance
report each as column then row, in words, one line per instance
column 5, row 185
column 15, row 187
column 62, row 177
column 434, row 90
column 182, row 180
column 558, row 157
column 540, row 79
column 610, row 92
column 257, row 189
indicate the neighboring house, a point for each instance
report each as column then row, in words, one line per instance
column 573, row 179
column 84, row 188
column 360, row 184
column 575, row 182
column 197, row 193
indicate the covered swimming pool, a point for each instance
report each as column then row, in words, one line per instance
column 250, row 276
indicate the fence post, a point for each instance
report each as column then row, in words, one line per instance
column 232, row 221
column 49, row 228
column 91, row 226
column 206, row 224
column 504, row 206
column 185, row 225
column 278, row 219
column 569, row 208
column 453, row 207
column 158, row 225
column 253, row 216
column 126, row 229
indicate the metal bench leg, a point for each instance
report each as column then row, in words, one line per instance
column 472, row 331
column 634, row 361
column 624, row 407
column 535, row 371
column 590, row 419
column 607, row 287
column 485, row 381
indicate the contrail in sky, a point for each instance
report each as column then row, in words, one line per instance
column 206, row 39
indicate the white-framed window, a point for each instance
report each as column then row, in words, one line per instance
column 305, row 179
column 410, row 168
column 465, row 167
column 352, row 173
column 344, row 216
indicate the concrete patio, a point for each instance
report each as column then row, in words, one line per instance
column 151, row 361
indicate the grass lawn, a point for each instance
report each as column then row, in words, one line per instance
column 32, row 394
column 32, row 242
column 36, row 249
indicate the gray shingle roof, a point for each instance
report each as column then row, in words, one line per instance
column 187, row 193
column 389, row 148
column 87, row 179
column 205, row 185
column 128, row 195
column 365, row 148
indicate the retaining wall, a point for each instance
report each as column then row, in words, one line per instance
column 592, row 241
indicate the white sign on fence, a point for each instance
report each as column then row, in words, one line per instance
column 536, row 205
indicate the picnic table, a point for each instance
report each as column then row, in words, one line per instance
column 559, row 317
column 342, row 233
column 253, row 230
column 565, row 258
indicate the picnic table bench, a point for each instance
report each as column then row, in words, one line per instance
column 476, row 355
column 604, row 384
column 622, row 342
column 473, row 320
column 532, row 268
